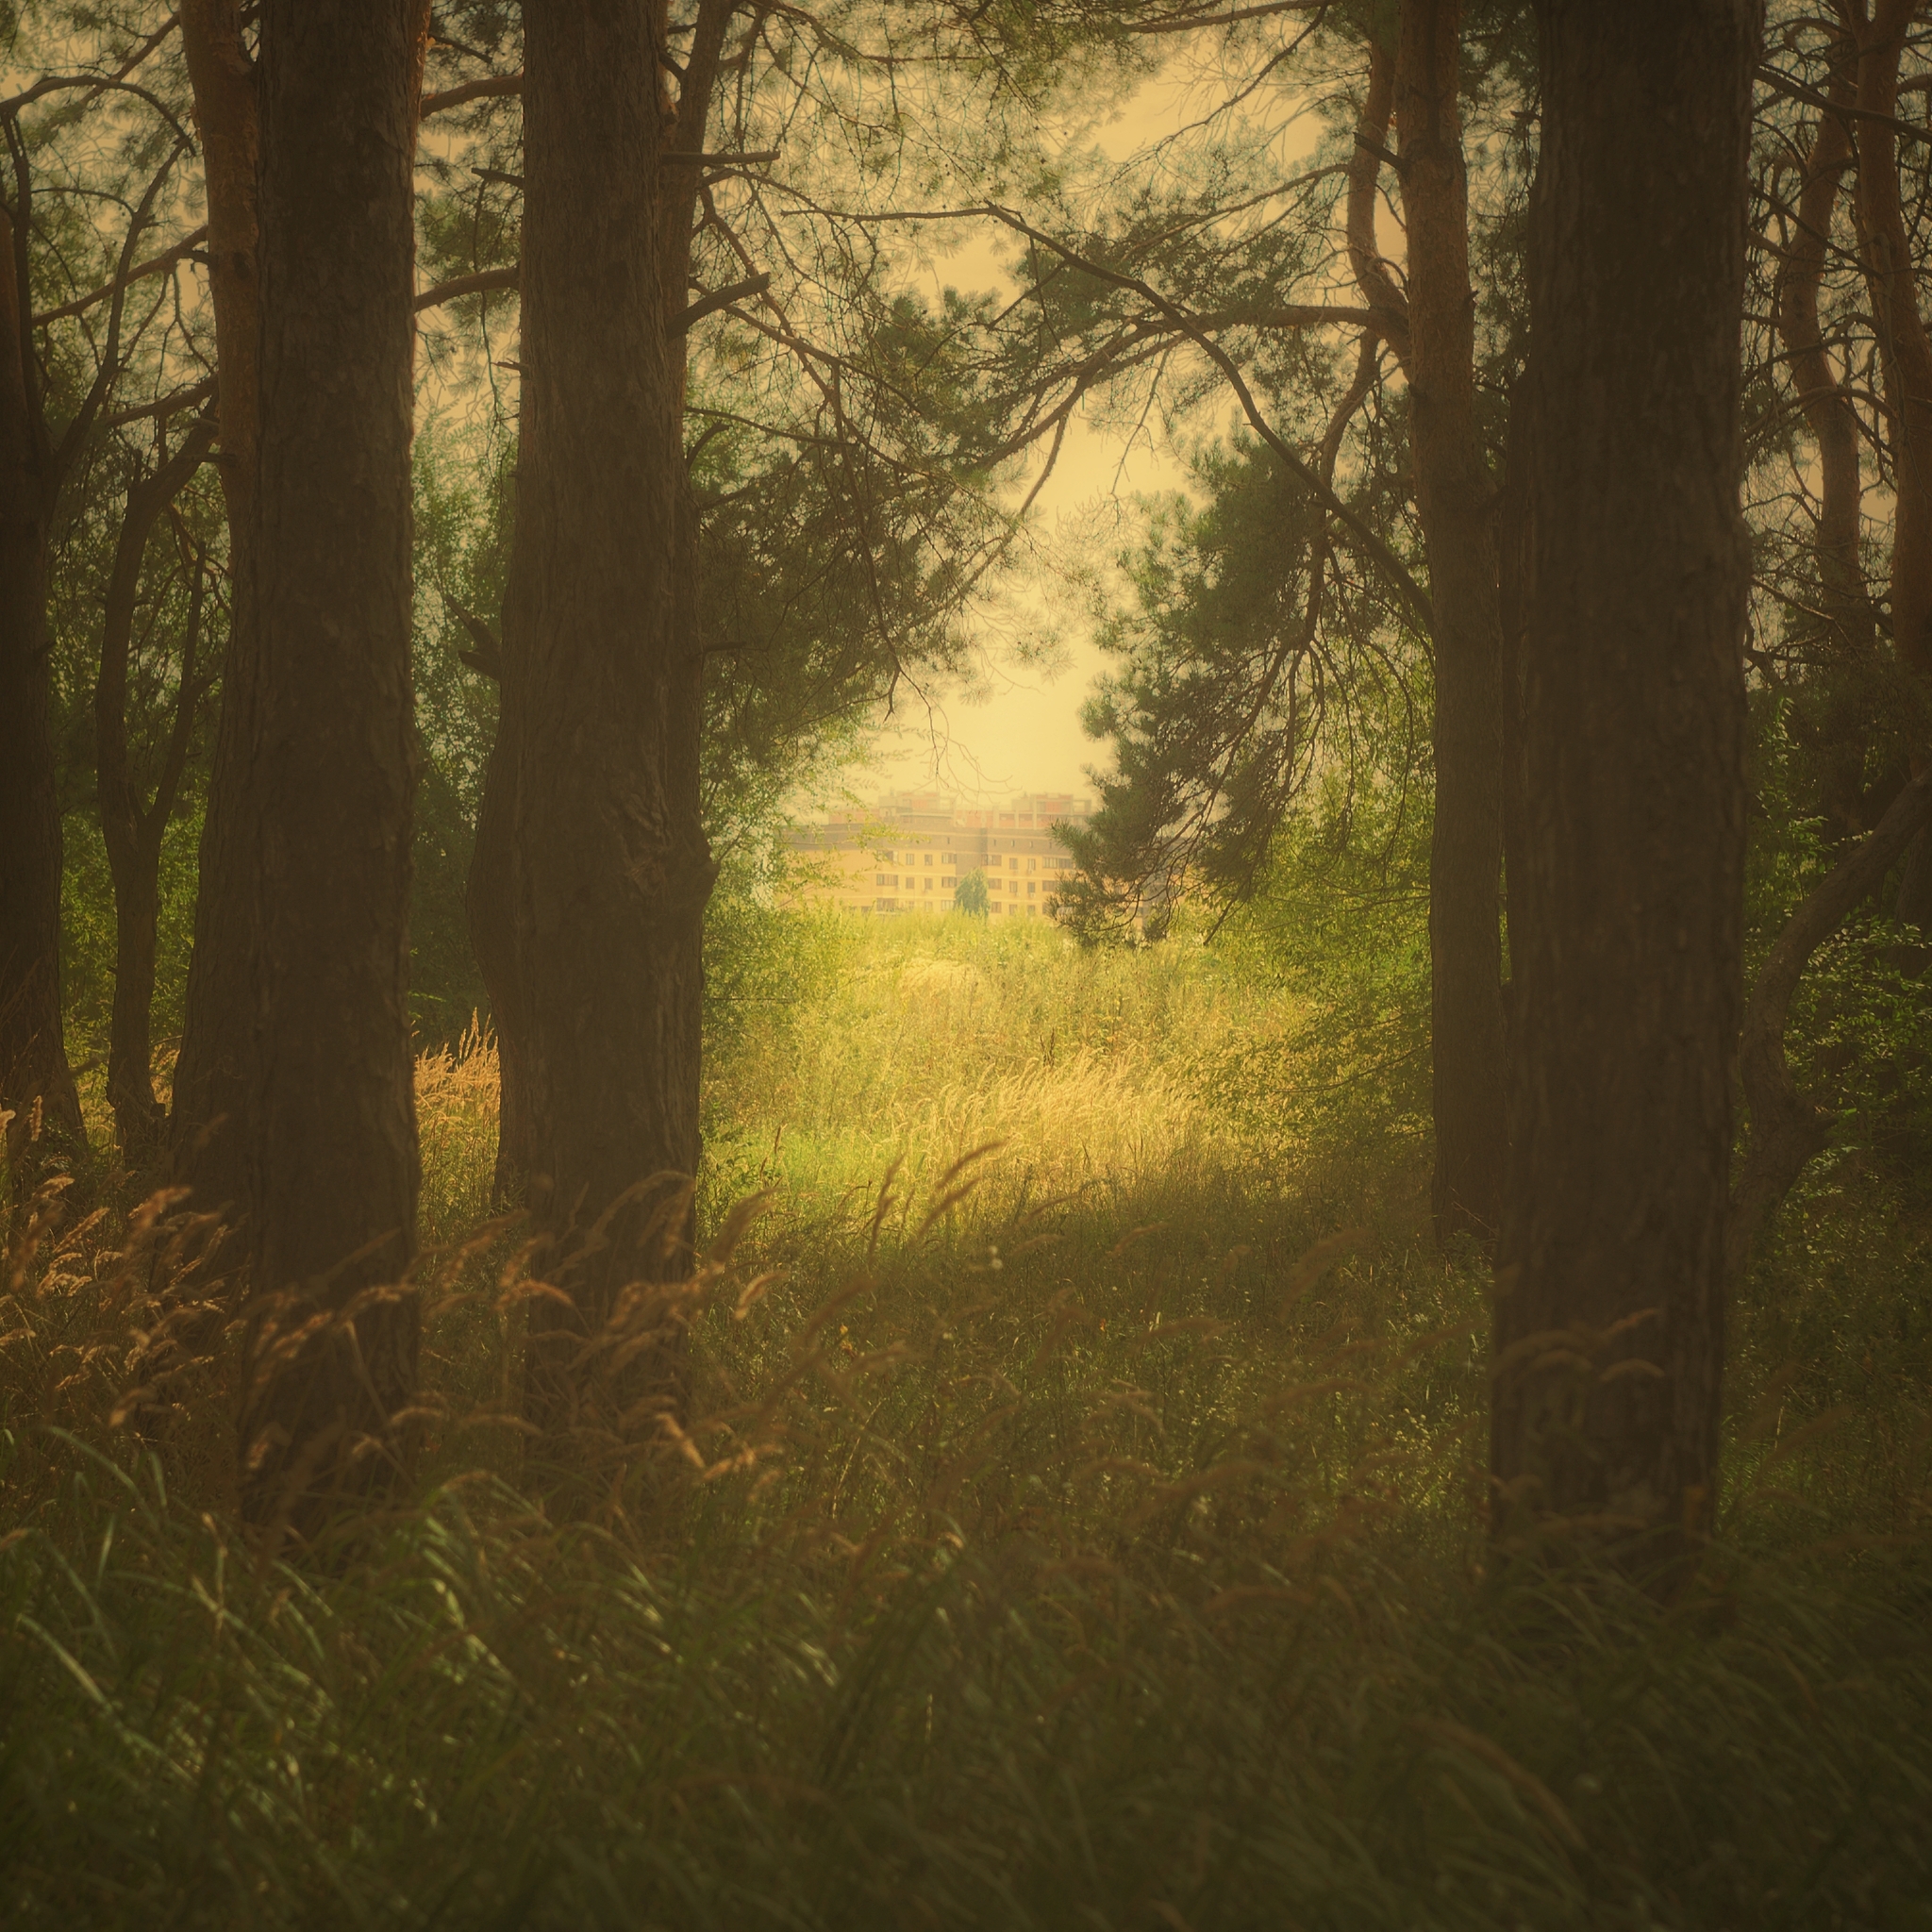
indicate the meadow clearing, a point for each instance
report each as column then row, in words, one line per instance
column 1078, row 1523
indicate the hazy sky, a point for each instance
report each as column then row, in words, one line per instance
column 1024, row 735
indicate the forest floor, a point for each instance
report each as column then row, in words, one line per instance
column 1098, row 1547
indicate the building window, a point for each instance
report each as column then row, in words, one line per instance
column 928, row 859
column 1031, row 888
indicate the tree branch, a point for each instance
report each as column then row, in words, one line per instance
column 121, row 813
column 1183, row 22
column 687, row 159
column 1372, row 546
column 1797, row 91
column 482, row 282
column 168, row 404
column 489, row 88
column 717, row 299
column 110, row 370
column 154, row 266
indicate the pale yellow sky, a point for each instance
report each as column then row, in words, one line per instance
column 1025, row 734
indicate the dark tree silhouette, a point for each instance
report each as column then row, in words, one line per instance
column 592, row 868
column 136, row 806
column 332, row 1351
column 1626, row 925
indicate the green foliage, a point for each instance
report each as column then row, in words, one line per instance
column 87, row 921
column 972, row 896
column 1229, row 692
column 1106, row 1538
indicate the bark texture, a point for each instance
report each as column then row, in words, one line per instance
column 1432, row 329
column 591, row 866
column 1905, row 356
column 132, row 828
column 35, row 1083
column 1625, row 926
column 210, row 1123
column 331, row 1111
column 1455, row 500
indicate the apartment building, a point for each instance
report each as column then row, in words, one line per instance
column 910, row 851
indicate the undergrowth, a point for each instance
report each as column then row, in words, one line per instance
column 1077, row 1524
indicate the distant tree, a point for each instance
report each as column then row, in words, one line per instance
column 970, row 895
column 1626, row 925
column 1370, row 505
column 139, row 785
column 53, row 400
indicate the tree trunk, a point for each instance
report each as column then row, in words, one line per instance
column 330, row 1105
column 210, row 1123
column 1626, row 932
column 1454, row 497
column 131, row 831
column 35, row 1083
column 1838, row 735
column 1515, row 519
column 1905, row 357
column 593, row 870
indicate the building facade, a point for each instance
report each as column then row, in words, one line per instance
column 911, row 852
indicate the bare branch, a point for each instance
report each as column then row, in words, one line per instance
column 492, row 87
column 1185, row 23
column 1391, row 566
column 100, row 84
column 110, row 370
column 1797, row 91
column 164, row 406
column 720, row 298
column 154, row 266
column 482, row 282
column 751, row 157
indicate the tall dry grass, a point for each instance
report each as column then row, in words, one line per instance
column 1084, row 1535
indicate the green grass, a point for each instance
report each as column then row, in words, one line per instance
column 1097, row 1548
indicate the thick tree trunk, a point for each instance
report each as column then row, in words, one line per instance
column 210, row 1123
column 330, row 1105
column 35, row 1083
column 1625, row 928
column 1455, row 499
column 592, row 868
column 131, row 831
